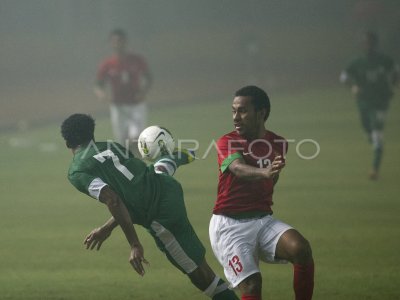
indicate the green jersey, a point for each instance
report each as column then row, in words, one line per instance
column 101, row 164
column 373, row 75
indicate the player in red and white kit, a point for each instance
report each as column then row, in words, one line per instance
column 129, row 79
column 242, row 228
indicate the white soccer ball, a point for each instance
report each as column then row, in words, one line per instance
column 155, row 141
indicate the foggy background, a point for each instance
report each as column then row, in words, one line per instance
column 196, row 50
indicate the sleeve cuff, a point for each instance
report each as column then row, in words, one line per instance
column 95, row 187
column 227, row 161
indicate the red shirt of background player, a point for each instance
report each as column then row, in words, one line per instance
column 124, row 75
column 236, row 195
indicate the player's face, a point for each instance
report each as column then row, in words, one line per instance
column 246, row 120
column 118, row 43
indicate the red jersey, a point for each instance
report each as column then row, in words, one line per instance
column 235, row 195
column 124, row 76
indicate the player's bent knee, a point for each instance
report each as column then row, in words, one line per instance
column 293, row 247
column 301, row 251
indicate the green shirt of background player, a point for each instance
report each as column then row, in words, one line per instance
column 372, row 77
column 138, row 194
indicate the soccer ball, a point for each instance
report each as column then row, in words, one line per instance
column 155, row 141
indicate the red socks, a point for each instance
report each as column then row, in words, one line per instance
column 303, row 281
column 251, row 297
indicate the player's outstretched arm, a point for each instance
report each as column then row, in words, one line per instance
column 242, row 170
column 98, row 235
column 121, row 215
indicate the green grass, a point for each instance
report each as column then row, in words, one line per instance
column 351, row 222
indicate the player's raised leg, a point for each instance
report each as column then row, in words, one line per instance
column 211, row 284
column 170, row 163
column 185, row 251
column 175, row 236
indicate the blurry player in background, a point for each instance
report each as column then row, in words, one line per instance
column 371, row 78
column 242, row 228
column 129, row 78
column 138, row 194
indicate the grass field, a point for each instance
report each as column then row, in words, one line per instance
column 351, row 222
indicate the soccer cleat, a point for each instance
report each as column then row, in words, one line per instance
column 183, row 156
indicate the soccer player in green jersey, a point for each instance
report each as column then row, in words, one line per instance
column 138, row 194
column 371, row 78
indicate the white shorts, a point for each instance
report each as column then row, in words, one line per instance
column 128, row 121
column 240, row 244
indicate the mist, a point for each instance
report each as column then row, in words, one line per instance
column 196, row 50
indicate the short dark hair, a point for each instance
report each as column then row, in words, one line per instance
column 258, row 96
column 119, row 32
column 77, row 129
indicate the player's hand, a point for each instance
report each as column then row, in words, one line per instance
column 100, row 94
column 137, row 259
column 96, row 238
column 275, row 167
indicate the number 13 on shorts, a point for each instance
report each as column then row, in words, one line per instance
column 236, row 265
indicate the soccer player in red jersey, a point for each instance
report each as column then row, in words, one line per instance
column 242, row 228
column 129, row 78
